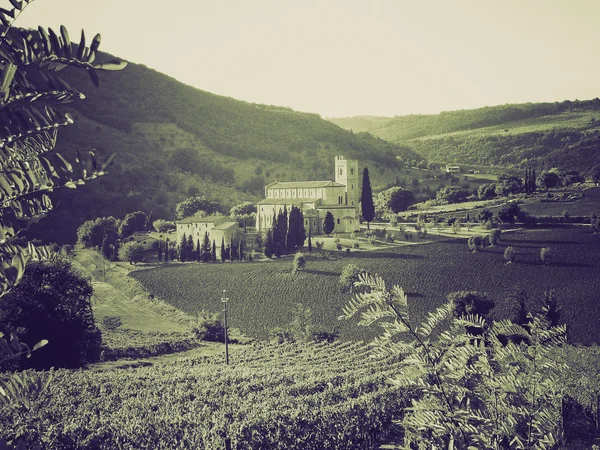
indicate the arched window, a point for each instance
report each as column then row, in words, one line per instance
column 352, row 171
column 338, row 221
column 341, row 170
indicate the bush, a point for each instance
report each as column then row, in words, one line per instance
column 209, row 327
column 546, row 254
column 348, row 277
column 494, row 236
column 133, row 252
column 53, row 302
column 319, row 244
column 389, row 237
column 325, row 336
column 356, row 244
column 111, row 323
column 338, row 246
column 510, row 254
column 299, row 263
column 474, row 243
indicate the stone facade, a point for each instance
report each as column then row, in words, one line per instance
column 217, row 227
column 315, row 199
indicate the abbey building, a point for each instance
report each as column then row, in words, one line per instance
column 315, row 199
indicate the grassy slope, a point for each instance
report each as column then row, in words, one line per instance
column 264, row 294
column 120, row 296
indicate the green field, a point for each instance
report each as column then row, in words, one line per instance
column 263, row 294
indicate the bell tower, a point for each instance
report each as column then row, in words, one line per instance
column 346, row 173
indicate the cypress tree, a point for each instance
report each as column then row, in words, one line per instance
column 366, row 199
column 328, row 223
column 233, row 251
column 213, row 254
column 205, row 249
column 269, row 244
column 223, row 249
column 183, row 248
column 197, row 255
column 190, row 248
column 309, row 242
column 167, row 250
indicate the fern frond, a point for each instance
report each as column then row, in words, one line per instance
column 433, row 319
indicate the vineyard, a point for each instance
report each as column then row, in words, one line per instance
column 312, row 396
column 263, row 295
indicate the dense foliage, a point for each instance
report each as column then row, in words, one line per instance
column 53, row 302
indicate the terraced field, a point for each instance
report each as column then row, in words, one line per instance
column 264, row 294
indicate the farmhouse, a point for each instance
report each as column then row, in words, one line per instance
column 218, row 228
column 315, row 199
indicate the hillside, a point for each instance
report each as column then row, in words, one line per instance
column 174, row 141
column 543, row 135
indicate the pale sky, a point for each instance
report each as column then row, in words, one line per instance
column 342, row 58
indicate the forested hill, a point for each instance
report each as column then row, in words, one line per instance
column 564, row 134
column 174, row 141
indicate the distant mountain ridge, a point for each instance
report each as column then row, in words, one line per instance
column 174, row 141
column 538, row 134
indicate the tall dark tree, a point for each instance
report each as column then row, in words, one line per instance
column 191, row 256
column 269, row 244
column 205, row 248
column 223, row 249
column 183, row 245
column 280, row 237
column 233, row 253
column 328, row 223
column 296, row 232
column 198, row 252
column 167, row 250
column 366, row 199
column 213, row 253
column 241, row 250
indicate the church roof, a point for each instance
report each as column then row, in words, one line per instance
column 288, row 201
column 302, row 184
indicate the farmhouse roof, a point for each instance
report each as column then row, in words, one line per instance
column 302, row 184
column 226, row 225
column 205, row 219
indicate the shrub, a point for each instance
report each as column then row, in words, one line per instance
column 389, row 237
column 132, row 252
column 474, row 243
column 53, row 302
column 325, row 336
column 299, row 263
column 456, row 227
column 510, row 254
column 494, row 236
column 347, row 251
column 209, row 327
column 319, row 244
column 350, row 275
column 338, row 246
column 111, row 323
column 356, row 244
column 546, row 254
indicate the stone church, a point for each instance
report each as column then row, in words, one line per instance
column 315, row 199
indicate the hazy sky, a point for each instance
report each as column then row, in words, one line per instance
column 343, row 57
